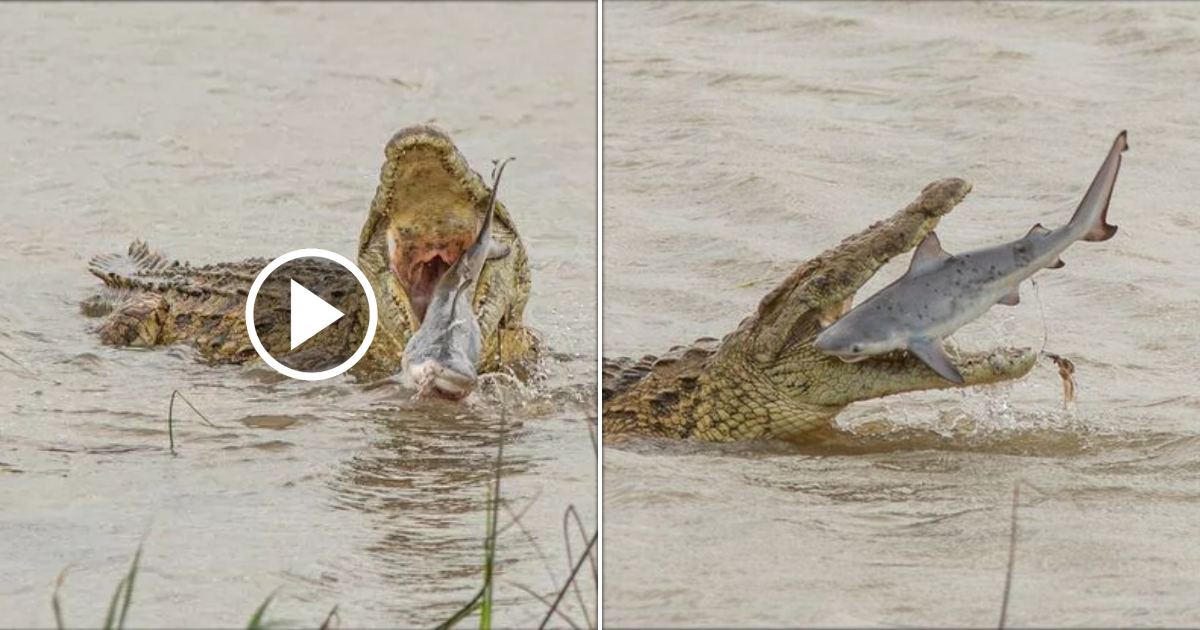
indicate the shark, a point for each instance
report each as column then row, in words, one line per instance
column 440, row 358
column 941, row 292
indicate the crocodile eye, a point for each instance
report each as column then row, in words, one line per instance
column 855, row 349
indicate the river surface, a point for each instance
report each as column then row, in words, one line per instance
column 741, row 139
column 222, row 132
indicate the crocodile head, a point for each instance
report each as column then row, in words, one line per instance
column 427, row 211
column 767, row 380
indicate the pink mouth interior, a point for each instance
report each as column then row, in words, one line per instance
column 423, row 277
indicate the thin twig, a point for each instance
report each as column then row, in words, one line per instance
column 567, row 514
column 171, row 418
column 1037, row 295
column 571, row 578
column 582, row 535
column 542, row 598
column 516, row 521
column 517, row 516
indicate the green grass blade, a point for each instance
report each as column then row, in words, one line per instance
column 489, row 563
column 493, row 519
column 123, row 596
column 483, row 602
column 256, row 622
column 111, row 617
column 328, row 623
column 55, row 603
column 129, row 579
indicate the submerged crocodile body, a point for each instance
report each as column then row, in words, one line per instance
column 427, row 210
column 765, row 380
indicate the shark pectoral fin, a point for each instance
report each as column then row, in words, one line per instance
column 1012, row 298
column 934, row 355
column 498, row 250
column 927, row 253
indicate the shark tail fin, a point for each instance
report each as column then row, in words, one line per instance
column 1093, row 210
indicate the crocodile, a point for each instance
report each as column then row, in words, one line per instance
column 427, row 210
column 765, row 380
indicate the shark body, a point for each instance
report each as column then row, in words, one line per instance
column 440, row 358
column 942, row 292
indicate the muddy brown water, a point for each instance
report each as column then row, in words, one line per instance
column 741, row 139
column 226, row 132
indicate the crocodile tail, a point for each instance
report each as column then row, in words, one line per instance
column 623, row 373
column 121, row 270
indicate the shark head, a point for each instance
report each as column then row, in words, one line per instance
column 443, row 366
column 848, row 341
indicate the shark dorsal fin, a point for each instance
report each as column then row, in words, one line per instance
column 928, row 252
column 1037, row 228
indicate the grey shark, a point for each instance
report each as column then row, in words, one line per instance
column 441, row 356
column 942, row 292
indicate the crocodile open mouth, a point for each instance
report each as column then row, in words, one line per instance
column 419, row 275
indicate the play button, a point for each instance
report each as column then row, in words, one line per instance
column 311, row 314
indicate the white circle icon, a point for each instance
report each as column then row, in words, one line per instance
column 306, row 322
